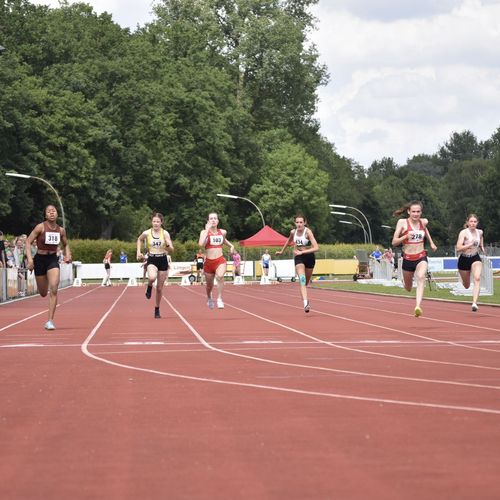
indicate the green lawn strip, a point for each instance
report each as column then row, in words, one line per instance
column 435, row 293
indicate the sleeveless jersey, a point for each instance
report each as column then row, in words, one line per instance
column 475, row 239
column 214, row 240
column 49, row 239
column 301, row 241
column 156, row 243
column 414, row 237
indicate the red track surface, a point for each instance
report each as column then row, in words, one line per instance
column 357, row 399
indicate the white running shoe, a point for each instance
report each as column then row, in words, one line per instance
column 49, row 325
column 307, row 307
column 220, row 304
column 210, row 303
column 474, row 307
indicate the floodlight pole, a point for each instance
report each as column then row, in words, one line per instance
column 25, row 176
column 234, row 197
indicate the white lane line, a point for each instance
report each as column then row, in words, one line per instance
column 419, row 360
column 44, row 311
column 392, row 312
column 419, row 404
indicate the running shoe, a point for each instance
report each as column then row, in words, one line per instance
column 149, row 289
column 418, row 311
column 307, row 307
column 474, row 307
column 49, row 325
column 210, row 304
column 157, row 313
column 220, row 304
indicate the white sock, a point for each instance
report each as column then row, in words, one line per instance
column 305, row 302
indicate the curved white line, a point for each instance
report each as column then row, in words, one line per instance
column 86, row 352
column 332, row 344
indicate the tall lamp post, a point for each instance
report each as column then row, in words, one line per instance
column 355, row 224
column 24, row 176
column 234, row 197
column 359, row 222
column 357, row 210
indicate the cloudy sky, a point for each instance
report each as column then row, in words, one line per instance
column 404, row 74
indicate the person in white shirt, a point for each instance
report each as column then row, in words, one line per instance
column 469, row 242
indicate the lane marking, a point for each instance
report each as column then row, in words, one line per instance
column 419, row 360
column 419, row 404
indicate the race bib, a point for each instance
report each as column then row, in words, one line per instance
column 156, row 243
column 416, row 236
column 216, row 239
column 52, row 238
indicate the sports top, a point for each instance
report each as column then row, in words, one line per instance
column 49, row 239
column 472, row 238
column 302, row 240
column 414, row 237
column 156, row 243
column 214, row 240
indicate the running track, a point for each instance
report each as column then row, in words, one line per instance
column 357, row 399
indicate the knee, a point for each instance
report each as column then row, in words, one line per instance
column 302, row 279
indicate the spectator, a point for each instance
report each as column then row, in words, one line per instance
column 123, row 257
column 266, row 262
column 376, row 254
column 388, row 256
column 199, row 260
column 237, row 263
column 107, row 266
column 3, row 259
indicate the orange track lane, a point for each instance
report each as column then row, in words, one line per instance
column 357, row 399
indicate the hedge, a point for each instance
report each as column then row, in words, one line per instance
column 93, row 251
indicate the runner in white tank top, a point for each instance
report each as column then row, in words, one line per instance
column 469, row 242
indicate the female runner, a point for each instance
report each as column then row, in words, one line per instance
column 212, row 239
column 157, row 242
column 411, row 233
column 470, row 240
column 107, row 267
column 48, row 236
column 304, row 258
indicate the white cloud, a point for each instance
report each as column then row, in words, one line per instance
column 405, row 74
column 401, row 87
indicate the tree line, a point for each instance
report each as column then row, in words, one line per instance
column 212, row 96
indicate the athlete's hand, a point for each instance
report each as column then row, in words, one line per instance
column 140, row 257
column 434, row 247
column 278, row 252
column 30, row 266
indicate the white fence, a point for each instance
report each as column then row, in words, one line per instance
column 21, row 282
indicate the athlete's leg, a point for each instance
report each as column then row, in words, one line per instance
column 420, row 277
column 309, row 273
column 476, row 269
column 300, row 270
column 160, row 281
column 408, row 280
column 53, row 284
column 209, row 278
column 42, row 284
column 219, row 275
column 152, row 272
column 465, row 277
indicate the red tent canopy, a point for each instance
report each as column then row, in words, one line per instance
column 266, row 237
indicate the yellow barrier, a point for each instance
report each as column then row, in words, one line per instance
column 327, row 266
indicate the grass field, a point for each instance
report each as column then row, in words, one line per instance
column 434, row 292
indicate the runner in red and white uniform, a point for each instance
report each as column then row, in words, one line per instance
column 48, row 235
column 411, row 233
column 470, row 241
column 213, row 239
